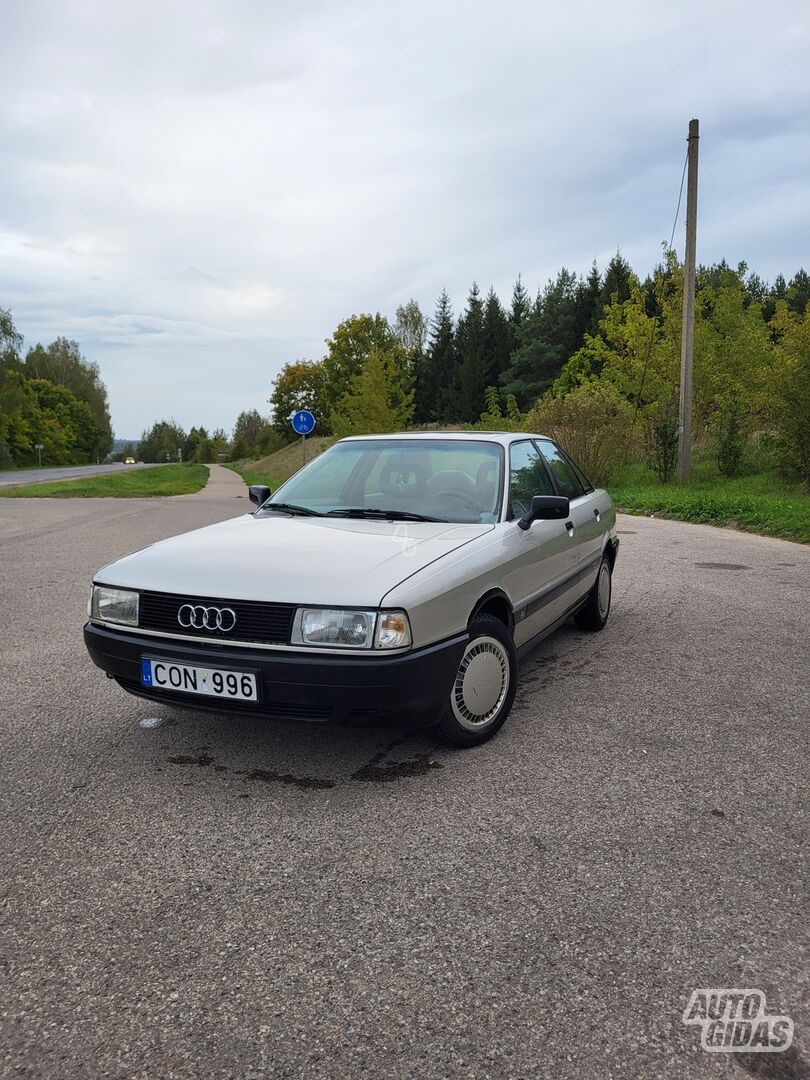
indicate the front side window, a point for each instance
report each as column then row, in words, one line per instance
column 566, row 479
column 458, row 480
column 528, row 476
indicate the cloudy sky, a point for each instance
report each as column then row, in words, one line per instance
column 200, row 192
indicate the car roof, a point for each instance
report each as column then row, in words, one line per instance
column 501, row 437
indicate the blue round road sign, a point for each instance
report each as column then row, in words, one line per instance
column 303, row 422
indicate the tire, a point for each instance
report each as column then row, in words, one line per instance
column 486, row 679
column 594, row 613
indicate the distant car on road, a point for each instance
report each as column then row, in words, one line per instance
column 129, row 461
column 394, row 578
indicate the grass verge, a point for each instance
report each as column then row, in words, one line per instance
column 762, row 504
column 274, row 469
column 250, row 476
column 178, row 479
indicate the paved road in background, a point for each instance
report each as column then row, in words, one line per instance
column 66, row 472
column 233, row 898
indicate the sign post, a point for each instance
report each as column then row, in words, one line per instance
column 39, row 447
column 303, row 423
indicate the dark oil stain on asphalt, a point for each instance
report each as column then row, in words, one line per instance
column 268, row 776
column 718, row 813
column 721, row 566
column 184, row 759
column 378, row 773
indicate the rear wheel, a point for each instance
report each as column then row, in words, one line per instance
column 593, row 615
column 484, row 686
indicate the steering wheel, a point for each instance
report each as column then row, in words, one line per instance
column 461, row 496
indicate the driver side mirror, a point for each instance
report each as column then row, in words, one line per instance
column 545, row 508
column 259, row 493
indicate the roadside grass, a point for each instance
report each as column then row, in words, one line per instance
column 764, row 503
column 246, row 469
column 176, row 479
column 274, row 469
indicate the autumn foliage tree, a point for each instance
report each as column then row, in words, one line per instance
column 373, row 402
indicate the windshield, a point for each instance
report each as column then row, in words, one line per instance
column 459, row 480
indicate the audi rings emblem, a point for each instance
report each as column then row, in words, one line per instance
column 197, row 617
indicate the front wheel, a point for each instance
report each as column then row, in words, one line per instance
column 484, row 686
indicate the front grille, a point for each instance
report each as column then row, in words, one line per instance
column 270, row 624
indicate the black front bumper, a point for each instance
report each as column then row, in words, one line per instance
column 411, row 688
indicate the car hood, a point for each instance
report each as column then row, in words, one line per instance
column 294, row 560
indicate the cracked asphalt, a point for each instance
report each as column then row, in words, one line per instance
column 188, row 896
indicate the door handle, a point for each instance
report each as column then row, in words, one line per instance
column 597, row 515
column 570, row 526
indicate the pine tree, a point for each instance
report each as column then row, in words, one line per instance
column 778, row 292
column 496, row 340
column 436, row 379
column 470, row 338
column 518, row 313
column 548, row 338
column 619, row 280
column 757, row 289
column 798, row 292
column 589, row 303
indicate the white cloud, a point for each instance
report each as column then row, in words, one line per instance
column 199, row 194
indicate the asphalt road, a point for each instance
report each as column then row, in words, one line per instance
column 230, row 898
column 63, row 472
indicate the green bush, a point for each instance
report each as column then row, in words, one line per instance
column 662, row 442
column 594, row 424
column 731, row 434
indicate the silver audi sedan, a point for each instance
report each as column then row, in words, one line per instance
column 394, row 579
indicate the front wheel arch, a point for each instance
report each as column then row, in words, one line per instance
column 497, row 604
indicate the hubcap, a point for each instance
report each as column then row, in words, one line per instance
column 603, row 591
column 481, row 684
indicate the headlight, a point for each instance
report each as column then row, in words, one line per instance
column 114, row 605
column 347, row 629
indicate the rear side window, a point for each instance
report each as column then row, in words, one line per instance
column 528, row 476
column 568, row 481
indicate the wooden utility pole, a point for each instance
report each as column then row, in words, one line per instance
column 688, row 334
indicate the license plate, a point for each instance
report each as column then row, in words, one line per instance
column 190, row 679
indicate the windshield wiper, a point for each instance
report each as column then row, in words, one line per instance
column 373, row 512
column 291, row 508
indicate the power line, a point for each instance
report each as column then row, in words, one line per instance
column 680, row 195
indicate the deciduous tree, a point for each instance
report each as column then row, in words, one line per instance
column 162, row 439
column 297, row 386
column 62, row 362
column 347, row 351
column 373, row 402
